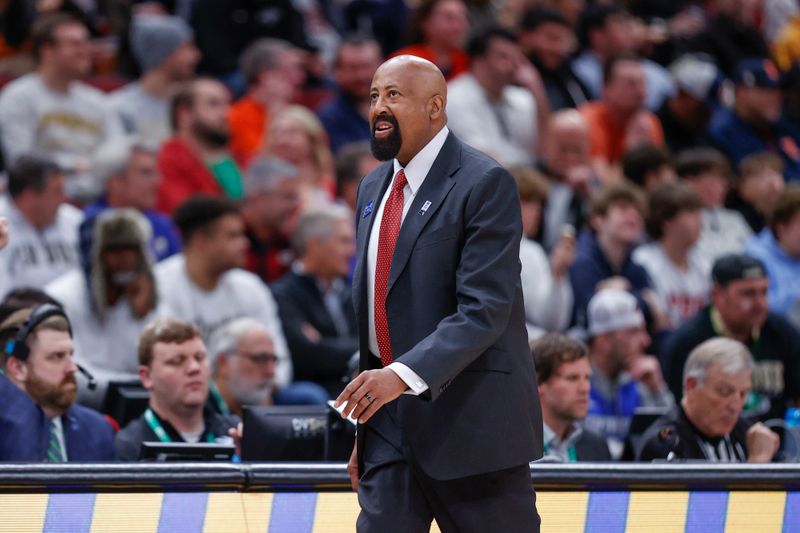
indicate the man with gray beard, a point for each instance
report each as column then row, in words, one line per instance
column 243, row 366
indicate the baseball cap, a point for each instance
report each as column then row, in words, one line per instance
column 757, row 72
column 697, row 75
column 733, row 267
column 613, row 310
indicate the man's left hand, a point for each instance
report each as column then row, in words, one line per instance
column 370, row 391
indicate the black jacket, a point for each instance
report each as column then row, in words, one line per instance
column 324, row 361
column 674, row 433
column 129, row 440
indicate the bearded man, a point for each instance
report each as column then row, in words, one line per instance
column 39, row 420
column 197, row 159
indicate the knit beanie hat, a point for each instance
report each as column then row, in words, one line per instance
column 155, row 37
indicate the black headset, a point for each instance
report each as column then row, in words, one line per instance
column 17, row 347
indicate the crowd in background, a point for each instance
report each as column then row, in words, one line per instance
column 183, row 173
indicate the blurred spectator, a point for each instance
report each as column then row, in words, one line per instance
column 739, row 310
column 732, row 35
column 707, row 425
column 679, row 274
column 604, row 254
column 196, row 160
column 40, row 420
column 624, row 378
column 492, row 107
column 724, row 231
column 548, row 41
column 110, row 298
column 296, row 135
column 51, row 110
column 130, row 171
column 785, row 47
column 270, row 210
column 174, row 368
column 757, row 187
column 206, row 284
column 563, row 374
column 274, row 73
column 315, row 302
column 778, row 247
column 566, row 164
column 163, row 46
column 619, row 121
column 779, row 15
column 756, row 122
column 44, row 228
column 346, row 118
column 224, row 28
column 546, row 290
column 242, row 365
column 685, row 114
column 649, row 167
column 608, row 31
column 353, row 162
column 440, row 28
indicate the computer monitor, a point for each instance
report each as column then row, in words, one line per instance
column 295, row 433
column 125, row 400
column 184, row 451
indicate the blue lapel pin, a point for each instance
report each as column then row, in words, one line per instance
column 367, row 209
column 425, row 207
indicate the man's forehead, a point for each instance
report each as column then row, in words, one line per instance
column 189, row 346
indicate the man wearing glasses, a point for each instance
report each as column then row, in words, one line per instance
column 243, row 367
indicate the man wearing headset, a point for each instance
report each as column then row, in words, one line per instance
column 39, row 420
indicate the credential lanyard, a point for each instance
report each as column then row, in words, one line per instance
column 159, row 430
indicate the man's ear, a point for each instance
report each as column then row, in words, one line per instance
column 144, row 376
column 16, row 369
column 690, row 383
column 436, row 106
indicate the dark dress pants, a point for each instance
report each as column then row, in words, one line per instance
column 395, row 495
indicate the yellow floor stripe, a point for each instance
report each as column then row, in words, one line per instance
column 225, row 513
column 664, row 512
column 562, row 512
column 126, row 513
column 257, row 510
column 755, row 511
column 22, row 513
column 336, row 512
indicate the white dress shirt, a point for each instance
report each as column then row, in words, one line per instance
column 415, row 172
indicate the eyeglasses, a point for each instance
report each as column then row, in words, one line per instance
column 260, row 358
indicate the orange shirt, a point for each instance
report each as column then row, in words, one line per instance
column 248, row 121
column 459, row 60
column 608, row 140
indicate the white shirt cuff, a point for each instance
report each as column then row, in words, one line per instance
column 416, row 385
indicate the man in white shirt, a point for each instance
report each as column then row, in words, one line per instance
column 51, row 110
column 43, row 227
column 492, row 107
column 206, row 284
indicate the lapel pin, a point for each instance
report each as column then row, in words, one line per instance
column 425, row 207
column 367, row 209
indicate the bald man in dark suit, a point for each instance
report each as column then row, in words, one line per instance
column 446, row 399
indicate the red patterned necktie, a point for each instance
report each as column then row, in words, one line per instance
column 390, row 228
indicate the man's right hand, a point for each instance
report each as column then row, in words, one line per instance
column 762, row 443
column 352, row 468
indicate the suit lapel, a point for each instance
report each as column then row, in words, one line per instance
column 373, row 189
column 434, row 189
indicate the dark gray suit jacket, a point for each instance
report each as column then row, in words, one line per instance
column 456, row 317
